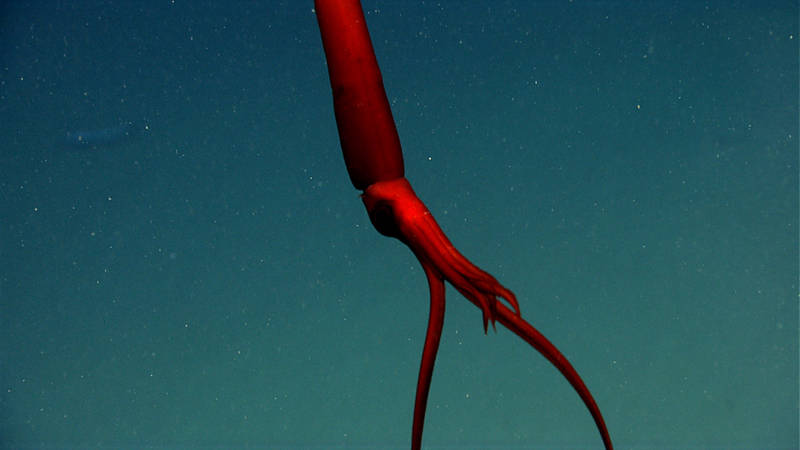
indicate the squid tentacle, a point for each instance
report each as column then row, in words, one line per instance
column 427, row 240
column 429, row 351
column 473, row 283
column 481, row 279
column 396, row 211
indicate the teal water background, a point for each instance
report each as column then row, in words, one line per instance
column 629, row 169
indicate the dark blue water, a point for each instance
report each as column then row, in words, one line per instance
column 629, row 169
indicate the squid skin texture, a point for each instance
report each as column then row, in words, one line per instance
column 367, row 132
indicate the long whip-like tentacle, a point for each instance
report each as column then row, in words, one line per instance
column 531, row 335
column 432, row 336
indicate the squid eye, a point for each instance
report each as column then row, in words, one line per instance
column 382, row 218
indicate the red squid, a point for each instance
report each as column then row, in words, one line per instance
column 374, row 161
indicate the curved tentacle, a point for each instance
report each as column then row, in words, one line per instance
column 537, row 340
column 472, row 282
column 396, row 211
column 431, row 347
